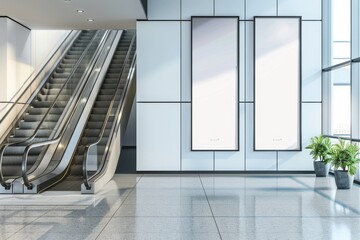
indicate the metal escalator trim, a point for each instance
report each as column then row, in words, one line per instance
column 122, row 121
column 85, row 172
column 4, row 146
column 130, row 89
column 78, row 92
column 74, row 112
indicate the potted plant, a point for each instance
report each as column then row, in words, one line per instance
column 320, row 150
column 345, row 156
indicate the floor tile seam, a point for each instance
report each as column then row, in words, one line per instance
column 169, row 216
column 144, row 204
column 319, row 217
column 107, row 223
column 37, row 205
column 162, row 232
column 74, row 217
column 137, row 216
column 301, row 217
column 28, row 224
column 210, row 216
column 217, row 227
column 139, row 178
column 271, row 231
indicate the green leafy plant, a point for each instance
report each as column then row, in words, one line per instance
column 345, row 156
column 320, row 148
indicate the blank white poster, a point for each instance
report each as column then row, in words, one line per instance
column 215, row 97
column 277, row 83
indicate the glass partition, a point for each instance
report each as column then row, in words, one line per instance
column 341, row 75
column 341, row 102
column 340, row 31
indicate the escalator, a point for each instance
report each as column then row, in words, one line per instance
column 46, row 108
column 110, row 94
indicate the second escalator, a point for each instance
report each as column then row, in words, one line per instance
column 113, row 78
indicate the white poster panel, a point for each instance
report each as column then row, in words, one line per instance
column 277, row 84
column 215, row 96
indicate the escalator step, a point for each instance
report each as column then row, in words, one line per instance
column 95, row 132
column 19, row 150
column 102, row 104
column 18, row 139
column 104, row 97
column 14, row 171
column 51, row 98
column 99, row 111
column 45, row 133
column 42, row 104
column 33, row 125
column 39, row 111
column 36, row 118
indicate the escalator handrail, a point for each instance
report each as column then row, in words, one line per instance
column 34, row 78
column 56, row 139
column 119, row 113
column 19, row 143
column 88, row 146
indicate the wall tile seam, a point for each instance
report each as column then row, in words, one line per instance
column 180, row 95
column 168, row 102
column 240, row 20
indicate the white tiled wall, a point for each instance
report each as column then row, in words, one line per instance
column 157, row 7
column 242, row 54
column 16, row 57
column 185, row 61
column 260, row 8
column 308, row 9
column 158, row 49
column 164, row 85
column 158, row 136
column 196, row 8
column 311, row 60
column 256, row 160
column 311, row 125
column 249, row 61
column 44, row 43
column 230, row 8
column 22, row 52
column 192, row 160
column 234, row 161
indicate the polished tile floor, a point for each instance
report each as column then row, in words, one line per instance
column 189, row 207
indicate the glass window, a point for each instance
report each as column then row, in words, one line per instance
column 342, row 44
column 355, row 31
column 340, row 31
column 341, row 102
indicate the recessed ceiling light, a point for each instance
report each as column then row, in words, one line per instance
column 80, row 11
column 67, row 0
column 90, row 19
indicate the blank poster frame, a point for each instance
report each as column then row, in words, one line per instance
column 299, row 86
column 237, row 82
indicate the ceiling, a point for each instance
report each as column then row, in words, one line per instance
column 62, row 14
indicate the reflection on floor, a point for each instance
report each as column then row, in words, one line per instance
column 189, row 207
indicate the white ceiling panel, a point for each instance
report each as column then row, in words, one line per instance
column 61, row 14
